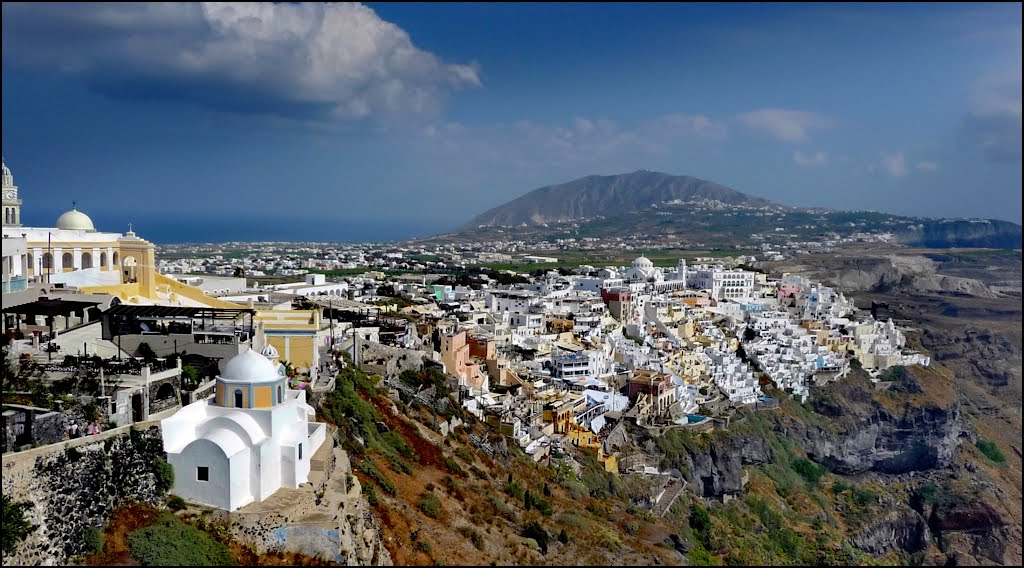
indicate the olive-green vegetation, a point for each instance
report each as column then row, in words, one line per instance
column 170, row 542
column 991, row 451
column 15, row 526
column 792, row 512
column 430, row 505
column 362, row 427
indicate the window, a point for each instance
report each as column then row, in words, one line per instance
column 300, row 451
column 280, row 394
column 238, row 398
column 203, row 473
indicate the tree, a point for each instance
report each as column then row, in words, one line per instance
column 15, row 527
column 189, row 377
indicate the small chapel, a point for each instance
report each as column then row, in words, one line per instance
column 252, row 438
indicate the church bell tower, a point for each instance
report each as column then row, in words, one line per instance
column 11, row 203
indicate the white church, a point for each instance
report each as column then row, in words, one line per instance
column 252, row 438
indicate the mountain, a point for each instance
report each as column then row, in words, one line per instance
column 686, row 211
column 604, row 196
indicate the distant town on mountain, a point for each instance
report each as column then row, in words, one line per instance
column 689, row 208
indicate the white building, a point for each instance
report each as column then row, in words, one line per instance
column 253, row 438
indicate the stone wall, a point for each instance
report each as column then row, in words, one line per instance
column 26, row 425
column 328, row 518
column 73, row 486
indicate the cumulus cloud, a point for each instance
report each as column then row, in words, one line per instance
column 311, row 61
column 994, row 118
column 817, row 159
column 785, row 125
column 927, row 166
column 895, row 165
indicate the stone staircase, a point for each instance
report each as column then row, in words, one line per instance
column 672, row 491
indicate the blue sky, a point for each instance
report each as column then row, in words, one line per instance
column 385, row 121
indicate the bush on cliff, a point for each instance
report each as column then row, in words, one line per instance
column 170, row 542
column 15, row 527
column 991, row 451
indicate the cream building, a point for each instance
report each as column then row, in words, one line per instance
column 73, row 252
column 252, row 438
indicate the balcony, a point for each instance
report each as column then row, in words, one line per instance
column 15, row 285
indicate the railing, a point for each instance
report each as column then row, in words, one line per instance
column 15, row 285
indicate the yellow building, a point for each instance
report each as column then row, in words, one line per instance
column 293, row 333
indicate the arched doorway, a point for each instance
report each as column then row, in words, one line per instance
column 67, row 261
column 86, row 260
column 129, row 268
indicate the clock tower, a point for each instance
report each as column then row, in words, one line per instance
column 11, row 203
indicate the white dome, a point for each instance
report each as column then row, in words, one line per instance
column 643, row 262
column 250, row 367
column 269, row 352
column 75, row 220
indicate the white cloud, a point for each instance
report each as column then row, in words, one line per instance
column 294, row 60
column 994, row 118
column 895, row 165
column 785, row 125
column 927, row 166
column 817, row 159
column 686, row 125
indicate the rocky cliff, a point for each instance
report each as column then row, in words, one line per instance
column 74, row 490
column 914, row 425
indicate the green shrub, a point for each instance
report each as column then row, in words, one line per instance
column 170, row 542
column 94, row 540
column 700, row 520
column 164, row 475
column 808, row 470
column 535, row 531
column 991, row 451
column 514, row 489
column 863, row 496
column 15, row 527
column 423, row 546
column 368, row 467
column 430, row 505
column 453, row 466
column 543, row 506
column 465, row 454
column 371, row 494
column 631, row 527
column 839, row 486
column 176, row 503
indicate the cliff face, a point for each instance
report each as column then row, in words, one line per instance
column 74, row 490
column 964, row 233
column 914, row 425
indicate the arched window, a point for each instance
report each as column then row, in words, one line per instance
column 47, row 260
column 86, row 260
column 103, row 259
column 67, row 261
column 280, row 394
column 238, row 398
column 116, row 259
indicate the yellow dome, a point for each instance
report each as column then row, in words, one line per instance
column 75, row 220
